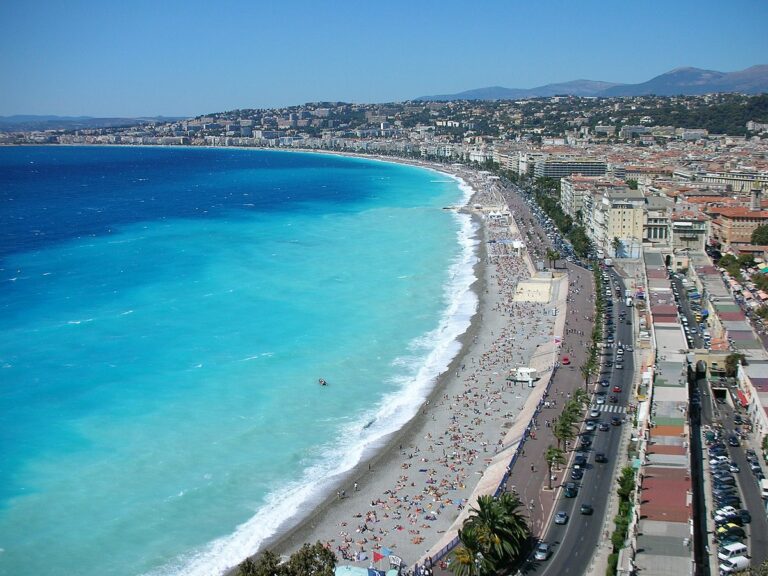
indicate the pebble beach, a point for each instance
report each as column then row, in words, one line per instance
column 410, row 498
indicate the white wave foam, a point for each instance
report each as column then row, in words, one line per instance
column 432, row 353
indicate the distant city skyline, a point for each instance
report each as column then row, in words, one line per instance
column 190, row 58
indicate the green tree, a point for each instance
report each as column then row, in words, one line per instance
column 632, row 184
column 493, row 536
column 564, row 430
column 581, row 397
column 616, row 245
column 586, row 372
column 465, row 556
column 626, row 483
column 746, row 260
column 554, row 457
column 265, row 564
column 552, row 257
column 732, row 362
column 760, row 235
column 314, row 559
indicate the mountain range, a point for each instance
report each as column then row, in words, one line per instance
column 28, row 122
column 680, row 81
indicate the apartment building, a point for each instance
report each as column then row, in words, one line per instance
column 617, row 214
column 735, row 224
column 689, row 230
column 560, row 166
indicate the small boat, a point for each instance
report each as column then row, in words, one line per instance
column 322, row 382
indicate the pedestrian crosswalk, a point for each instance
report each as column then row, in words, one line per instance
column 616, row 409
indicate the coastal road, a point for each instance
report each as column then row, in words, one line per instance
column 574, row 543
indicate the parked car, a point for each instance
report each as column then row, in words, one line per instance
column 571, row 490
column 561, row 517
column 746, row 517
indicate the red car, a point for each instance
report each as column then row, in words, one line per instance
column 566, row 360
column 617, row 389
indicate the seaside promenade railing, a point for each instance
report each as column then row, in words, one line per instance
column 501, row 488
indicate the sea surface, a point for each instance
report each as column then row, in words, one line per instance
column 165, row 315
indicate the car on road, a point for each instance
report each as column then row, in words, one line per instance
column 586, row 509
column 571, row 490
column 600, row 400
column 566, row 360
column 543, row 551
column 590, row 426
column 603, row 427
column 617, row 389
column 619, row 366
column 613, row 399
column 577, row 474
column 615, row 421
column 605, row 383
column 734, row 441
column 561, row 517
column 594, row 413
column 580, row 460
column 586, row 442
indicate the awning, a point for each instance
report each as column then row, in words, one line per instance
column 742, row 399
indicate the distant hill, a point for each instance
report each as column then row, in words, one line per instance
column 27, row 122
column 686, row 81
column 694, row 81
column 575, row 87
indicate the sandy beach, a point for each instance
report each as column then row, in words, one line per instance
column 412, row 495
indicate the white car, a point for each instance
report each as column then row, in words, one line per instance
column 543, row 551
column 600, row 400
column 725, row 510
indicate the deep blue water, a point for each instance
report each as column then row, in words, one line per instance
column 164, row 317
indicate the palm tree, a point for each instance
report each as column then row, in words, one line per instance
column 581, row 396
column 465, row 556
column 564, row 429
column 616, row 244
column 517, row 524
column 585, row 372
column 588, row 369
column 552, row 256
column 492, row 536
column 553, row 456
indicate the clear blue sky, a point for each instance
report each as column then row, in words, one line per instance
column 189, row 57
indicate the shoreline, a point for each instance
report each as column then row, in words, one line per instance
column 382, row 466
column 304, row 523
column 366, row 483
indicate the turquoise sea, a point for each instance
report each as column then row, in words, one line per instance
column 165, row 315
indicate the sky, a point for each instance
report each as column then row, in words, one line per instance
column 132, row 58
